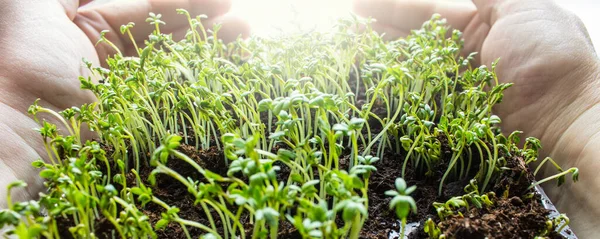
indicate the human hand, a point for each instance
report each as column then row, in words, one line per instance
column 42, row 44
column 546, row 52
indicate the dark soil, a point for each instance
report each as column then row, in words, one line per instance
column 509, row 218
column 175, row 194
column 515, row 216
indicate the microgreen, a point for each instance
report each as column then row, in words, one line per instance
column 402, row 202
column 303, row 122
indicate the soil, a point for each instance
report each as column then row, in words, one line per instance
column 510, row 215
column 509, row 218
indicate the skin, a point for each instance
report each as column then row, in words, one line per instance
column 546, row 52
column 42, row 44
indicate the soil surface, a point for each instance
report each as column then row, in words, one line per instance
column 510, row 216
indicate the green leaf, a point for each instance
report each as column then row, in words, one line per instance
column 494, row 119
column 145, row 54
column 173, row 141
column 277, row 135
column 514, row 137
column 208, row 236
column 162, row 223
column 118, row 178
column 342, row 127
column 265, row 105
column 296, row 177
column 17, row 184
column 410, row 190
column 286, row 155
column 400, row 184
column 81, row 199
column 137, row 191
column 228, row 138
column 38, row 164
column 47, row 173
column 258, row 178
column 173, row 211
column 268, row 214
column 406, row 142
column 353, row 209
column 356, row 123
column 181, row 11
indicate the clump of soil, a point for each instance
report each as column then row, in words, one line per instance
column 508, row 218
column 513, row 215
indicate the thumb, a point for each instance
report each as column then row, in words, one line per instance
column 538, row 21
column 117, row 13
column 491, row 11
column 110, row 16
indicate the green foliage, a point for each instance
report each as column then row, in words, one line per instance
column 327, row 106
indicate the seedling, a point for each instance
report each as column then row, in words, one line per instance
column 264, row 132
column 402, row 202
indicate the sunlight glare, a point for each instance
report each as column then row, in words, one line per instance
column 274, row 17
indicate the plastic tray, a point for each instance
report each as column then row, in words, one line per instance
column 566, row 232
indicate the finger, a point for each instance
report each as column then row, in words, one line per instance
column 491, row 10
column 71, row 6
column 19, row 148
column 405, row 15
column 389, row 32
column 118, row 13
column 92, row 20
column 232, row 27
column 527, row 16
column 396, row 18
column 84, row 2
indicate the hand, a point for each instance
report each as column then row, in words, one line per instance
column 546, row 52
column 42, row 44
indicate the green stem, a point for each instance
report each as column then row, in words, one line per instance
column 356, row 227
column 452, row 163
column 403, row 228
column 571, row 170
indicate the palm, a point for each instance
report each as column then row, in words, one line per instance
column 537, row 60
column 43, row 44
column 40, row 59
column 546, row 53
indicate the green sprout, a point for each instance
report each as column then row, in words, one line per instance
column 402, row 202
